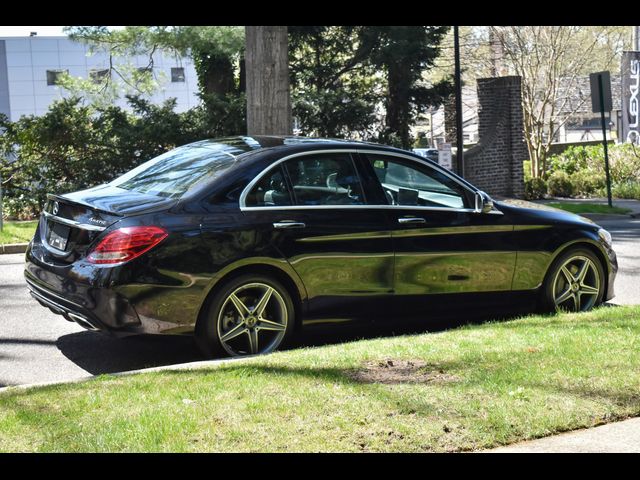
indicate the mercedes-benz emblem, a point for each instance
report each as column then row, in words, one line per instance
column 56, row 207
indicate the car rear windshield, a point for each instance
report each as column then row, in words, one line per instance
column 174, row 173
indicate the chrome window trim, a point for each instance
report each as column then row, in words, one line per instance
column 376, row 207
column 73, row 223
column 365, row 151
column 252, row 183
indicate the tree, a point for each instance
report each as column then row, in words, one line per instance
column 216, row 52
column 75, row 146
column 267, row 65
column 335, row 87
column 551, row 62
column 404, row 54
column 367, row 80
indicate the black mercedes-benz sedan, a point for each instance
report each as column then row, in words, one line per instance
column 242, row 241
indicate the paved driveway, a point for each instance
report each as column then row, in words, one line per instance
column 38, row 346
column 626, row 242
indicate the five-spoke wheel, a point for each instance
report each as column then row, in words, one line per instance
column 249, row 315
column 575, row 282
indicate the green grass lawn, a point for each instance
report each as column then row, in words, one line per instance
column 588, row 208
column 468, row 388
column 17, row 232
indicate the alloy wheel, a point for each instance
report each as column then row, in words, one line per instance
column 253, row 320
column 576, row 285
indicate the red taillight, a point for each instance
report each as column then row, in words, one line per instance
column 126, row 244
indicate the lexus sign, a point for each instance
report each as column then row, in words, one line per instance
column 630, row 97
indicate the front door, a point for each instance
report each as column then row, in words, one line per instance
column 442, row 246
column 341, row 248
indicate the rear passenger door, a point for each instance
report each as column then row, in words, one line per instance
column 316, row 208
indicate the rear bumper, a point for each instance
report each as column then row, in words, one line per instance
column 98, row 299
column 69, row 310
column 76, row 299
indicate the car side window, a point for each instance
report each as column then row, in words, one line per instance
column 270, row 191
column 325, row 179
column 406, row 183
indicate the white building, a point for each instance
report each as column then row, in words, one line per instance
column 29, row 66
column 432, row 125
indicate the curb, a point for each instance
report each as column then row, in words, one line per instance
column 179, row 366
column 609, row 216
column 13, row 248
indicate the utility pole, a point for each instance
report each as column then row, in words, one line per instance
column 636, row 38
column 458, row 88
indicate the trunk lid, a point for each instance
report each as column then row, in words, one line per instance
column 70, row 223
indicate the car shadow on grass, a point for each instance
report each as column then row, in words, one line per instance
column 100, row 353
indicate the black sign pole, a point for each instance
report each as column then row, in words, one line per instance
column 458, row 89
column 604, row 140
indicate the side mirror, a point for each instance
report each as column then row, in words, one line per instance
column 484, row 203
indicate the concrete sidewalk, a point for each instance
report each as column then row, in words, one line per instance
column 633, row 205
column 619, row 437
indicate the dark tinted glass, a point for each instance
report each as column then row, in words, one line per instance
column 271, row 190
column 175, row 172
column 325, row 179
column 420, row 185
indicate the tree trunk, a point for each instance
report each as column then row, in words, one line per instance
column 267, row 77
column 243, row 76
column 218, row 76
column 397, row 118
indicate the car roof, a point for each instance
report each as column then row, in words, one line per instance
column 265, row 148
column 255, row 142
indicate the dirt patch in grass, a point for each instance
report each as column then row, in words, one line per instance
column 393, row 372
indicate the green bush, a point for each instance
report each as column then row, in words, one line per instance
column 21, row 206
column 526, row 169
column 572, row 160
column 75, row 146
column 586, row 167
column 624, row 161
column 535, row 188
column 559, row 184
column 585, row 183
column 629, row 189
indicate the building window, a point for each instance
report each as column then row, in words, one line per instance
column 99, row 75
column 177, row 74
column 53, row 76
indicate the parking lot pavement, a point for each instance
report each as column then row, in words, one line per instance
column 39, row 346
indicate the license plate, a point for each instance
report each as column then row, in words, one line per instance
column 58, row 235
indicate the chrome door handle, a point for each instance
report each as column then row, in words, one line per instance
column 288, row 224
column 411, row 220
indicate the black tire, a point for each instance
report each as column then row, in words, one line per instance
column 214, row 323
column 556, row 282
